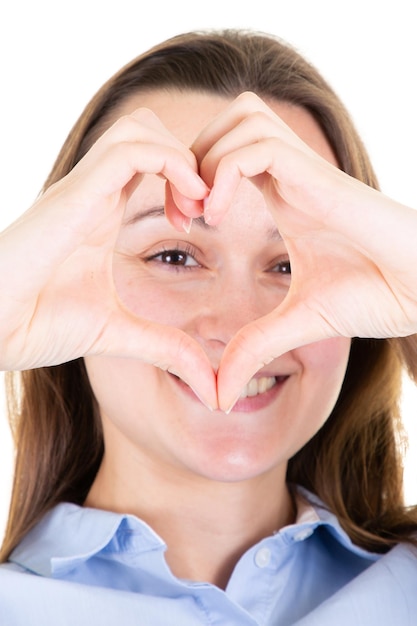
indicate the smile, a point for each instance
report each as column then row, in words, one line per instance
column 259, row 392
column 258, row 385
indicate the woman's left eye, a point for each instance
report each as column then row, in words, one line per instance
column 283, row 267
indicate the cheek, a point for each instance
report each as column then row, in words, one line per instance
column 324, row 366
column 122, row 387
column 329, row 356
column 148, row 299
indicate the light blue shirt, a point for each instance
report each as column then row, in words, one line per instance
column 87, row 567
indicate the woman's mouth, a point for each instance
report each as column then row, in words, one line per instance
column 258, row 393
column 258, row 385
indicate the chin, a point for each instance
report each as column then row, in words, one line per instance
column 229, row 462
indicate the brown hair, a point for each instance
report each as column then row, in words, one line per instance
column 354, row 462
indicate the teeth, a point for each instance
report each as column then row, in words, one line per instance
column 257, row 386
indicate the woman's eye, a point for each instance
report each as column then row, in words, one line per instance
column 176, row 258
column 283, row 267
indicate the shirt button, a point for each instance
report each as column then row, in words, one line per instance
column 303, row 534
column 263, row 557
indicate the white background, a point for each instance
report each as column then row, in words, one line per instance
column 55, row 55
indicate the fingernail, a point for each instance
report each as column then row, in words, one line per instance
column 186, row 224
column 206, row 205
column 232, row 405
column 208, row 406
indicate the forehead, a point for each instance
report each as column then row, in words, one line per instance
column 186, row 113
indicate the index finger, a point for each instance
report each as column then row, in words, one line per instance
column 232, row 115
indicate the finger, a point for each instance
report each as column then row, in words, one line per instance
column 87, row 199
column 88, row 185
column 250, row 161
column 260, row 342
column 143, row 126
column 181, row 210
column 243, row 106
column 140, row 127
column 279, row 169
column 257, row 127
column 165, row 347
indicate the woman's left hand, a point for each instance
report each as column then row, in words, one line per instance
column 352, row 250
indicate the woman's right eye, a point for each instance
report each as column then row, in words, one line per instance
column 176, row 257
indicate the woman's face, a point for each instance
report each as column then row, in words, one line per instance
column 210, row 283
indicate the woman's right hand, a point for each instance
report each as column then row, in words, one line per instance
column 58, row 297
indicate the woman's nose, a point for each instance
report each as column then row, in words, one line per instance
column 227, row 308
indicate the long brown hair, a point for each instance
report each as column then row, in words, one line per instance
column 354, row 462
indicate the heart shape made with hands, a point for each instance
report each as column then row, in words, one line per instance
column 223, row 157
column 254, row 346
column 336, row 289
column 345, row 281
column 339, row 286
column 180, row 353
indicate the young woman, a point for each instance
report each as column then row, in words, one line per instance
column 211, row 305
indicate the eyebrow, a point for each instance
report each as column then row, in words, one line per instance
column 159, row 211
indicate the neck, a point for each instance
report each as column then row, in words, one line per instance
column 207, row 525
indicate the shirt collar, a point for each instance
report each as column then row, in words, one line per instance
column 70, row 534
column 313, row 513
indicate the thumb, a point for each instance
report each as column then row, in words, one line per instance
column 257, row 344
column 165, row 347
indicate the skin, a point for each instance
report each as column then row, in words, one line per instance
column 168, row 457
column 352, row 250
column 353, row 273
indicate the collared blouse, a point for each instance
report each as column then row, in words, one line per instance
column 89, row 567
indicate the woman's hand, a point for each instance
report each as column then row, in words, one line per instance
column 58, row 295
column 352, row 250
